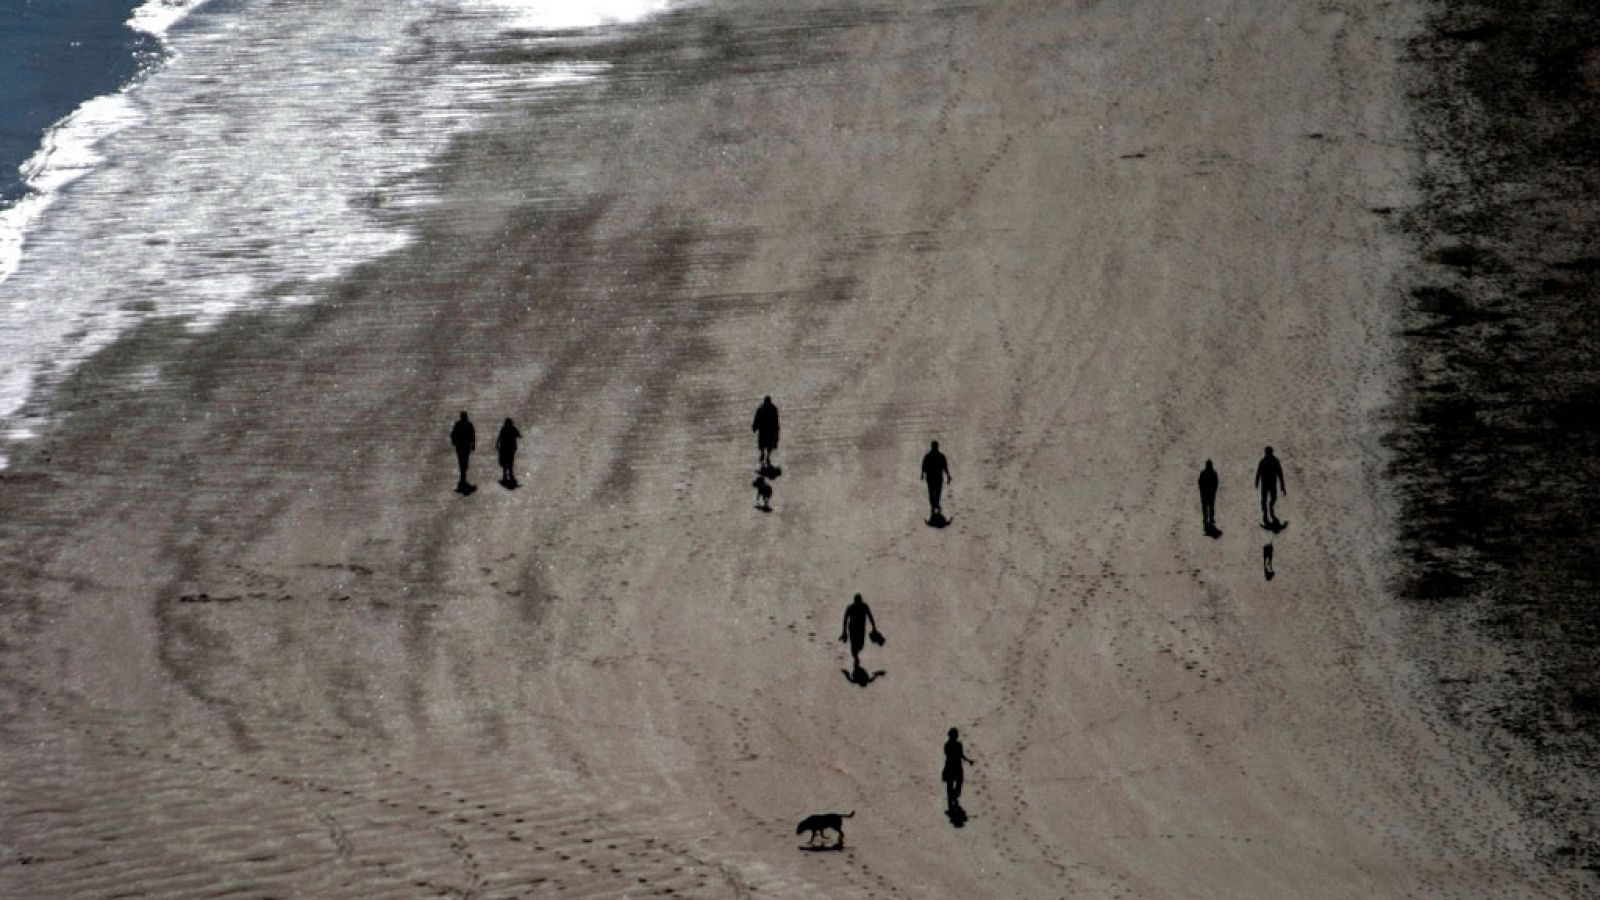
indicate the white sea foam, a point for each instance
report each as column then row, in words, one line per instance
column 158, row 16
column 560, row 15
column 67, row 153
column 67, row 150
column 280, row 145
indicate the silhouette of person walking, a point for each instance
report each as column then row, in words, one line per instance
column 953, row 774
column 465, row 439
column 858, row 623
column 766, row 428
column 935, row 471
column 1269, row 478
column 506, row 445
column 1208, row 497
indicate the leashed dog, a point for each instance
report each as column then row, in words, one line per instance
column 821, row 822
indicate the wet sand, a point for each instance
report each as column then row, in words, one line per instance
column 252, row 643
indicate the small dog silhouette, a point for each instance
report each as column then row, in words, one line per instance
column 763, row 492
column 821, row 822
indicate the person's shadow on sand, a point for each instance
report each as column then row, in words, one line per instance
column 860, row 677
column 509, row 484
column 1213, row 532
column 466, row 490
column 1275, row 526
column 768, row 470
column 938, row 520
column 956, row 815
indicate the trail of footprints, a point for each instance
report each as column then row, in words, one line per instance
column 852, row 370
column 385, row 831
column 743, row 749
column 1022, row 668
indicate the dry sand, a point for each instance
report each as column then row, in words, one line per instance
column 254, row 646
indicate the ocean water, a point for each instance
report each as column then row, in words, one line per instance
column 55, row 54
column 241, row 153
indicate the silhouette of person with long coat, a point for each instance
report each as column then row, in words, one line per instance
column 465, row 439
column 506, row 445
column 766, row 428
column 953, row 773
column 858, row 623
column 935, row 471
column 1269, row 478
column 1208, row 496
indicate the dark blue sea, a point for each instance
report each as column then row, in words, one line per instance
column 54, row 55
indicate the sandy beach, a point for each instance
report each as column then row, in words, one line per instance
column 252, row 644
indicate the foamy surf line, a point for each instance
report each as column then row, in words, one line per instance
column 274, row 150
column 158, row 16
column 66, row 151
column 568, row 15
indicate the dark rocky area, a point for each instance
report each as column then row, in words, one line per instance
column 1497, row 444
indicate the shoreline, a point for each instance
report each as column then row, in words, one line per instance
column 75, row 134
column 72, row 135
column 1018, row 230
column 203, row 191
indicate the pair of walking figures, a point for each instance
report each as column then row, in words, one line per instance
column 464, row 437
column 1269, row 481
